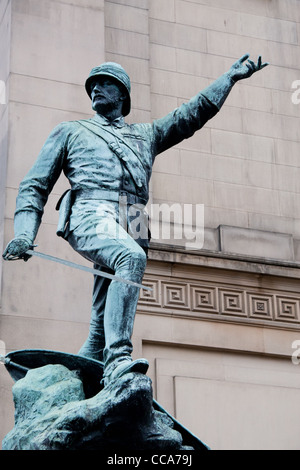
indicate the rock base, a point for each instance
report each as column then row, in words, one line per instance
column 52, row 413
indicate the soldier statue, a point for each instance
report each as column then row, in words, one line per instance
column 106, row 160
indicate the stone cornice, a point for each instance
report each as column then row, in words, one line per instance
column 220, row 287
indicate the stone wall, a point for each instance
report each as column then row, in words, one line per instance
column 244, row 165
column 5, row 31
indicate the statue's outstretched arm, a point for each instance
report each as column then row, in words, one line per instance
column 184, row 121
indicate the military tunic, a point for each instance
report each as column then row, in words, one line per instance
column 89, row 163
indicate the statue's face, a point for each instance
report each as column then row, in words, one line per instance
column 106, row 94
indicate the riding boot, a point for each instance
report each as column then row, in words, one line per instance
column 121, row 303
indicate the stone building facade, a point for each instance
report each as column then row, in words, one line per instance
column 221, row 327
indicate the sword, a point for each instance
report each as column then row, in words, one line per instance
column 96, row 272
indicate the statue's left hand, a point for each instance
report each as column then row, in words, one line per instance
column 241, row 69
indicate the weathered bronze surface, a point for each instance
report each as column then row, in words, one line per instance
column 106, row 159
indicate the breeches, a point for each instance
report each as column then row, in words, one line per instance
column 101, row 240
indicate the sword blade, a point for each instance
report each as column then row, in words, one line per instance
column 96, row 272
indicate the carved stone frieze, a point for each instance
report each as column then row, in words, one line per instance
column 188, row 290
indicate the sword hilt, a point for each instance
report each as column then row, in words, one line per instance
column 13, row 253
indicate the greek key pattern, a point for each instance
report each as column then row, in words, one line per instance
column 232, row 303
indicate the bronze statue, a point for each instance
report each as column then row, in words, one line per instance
column 107, row 161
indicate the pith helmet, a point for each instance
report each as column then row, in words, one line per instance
column 116, row 71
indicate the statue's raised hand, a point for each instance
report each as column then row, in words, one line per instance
column 16, row 249
column 242, row 69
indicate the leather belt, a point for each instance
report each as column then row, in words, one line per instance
column 107, row 195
